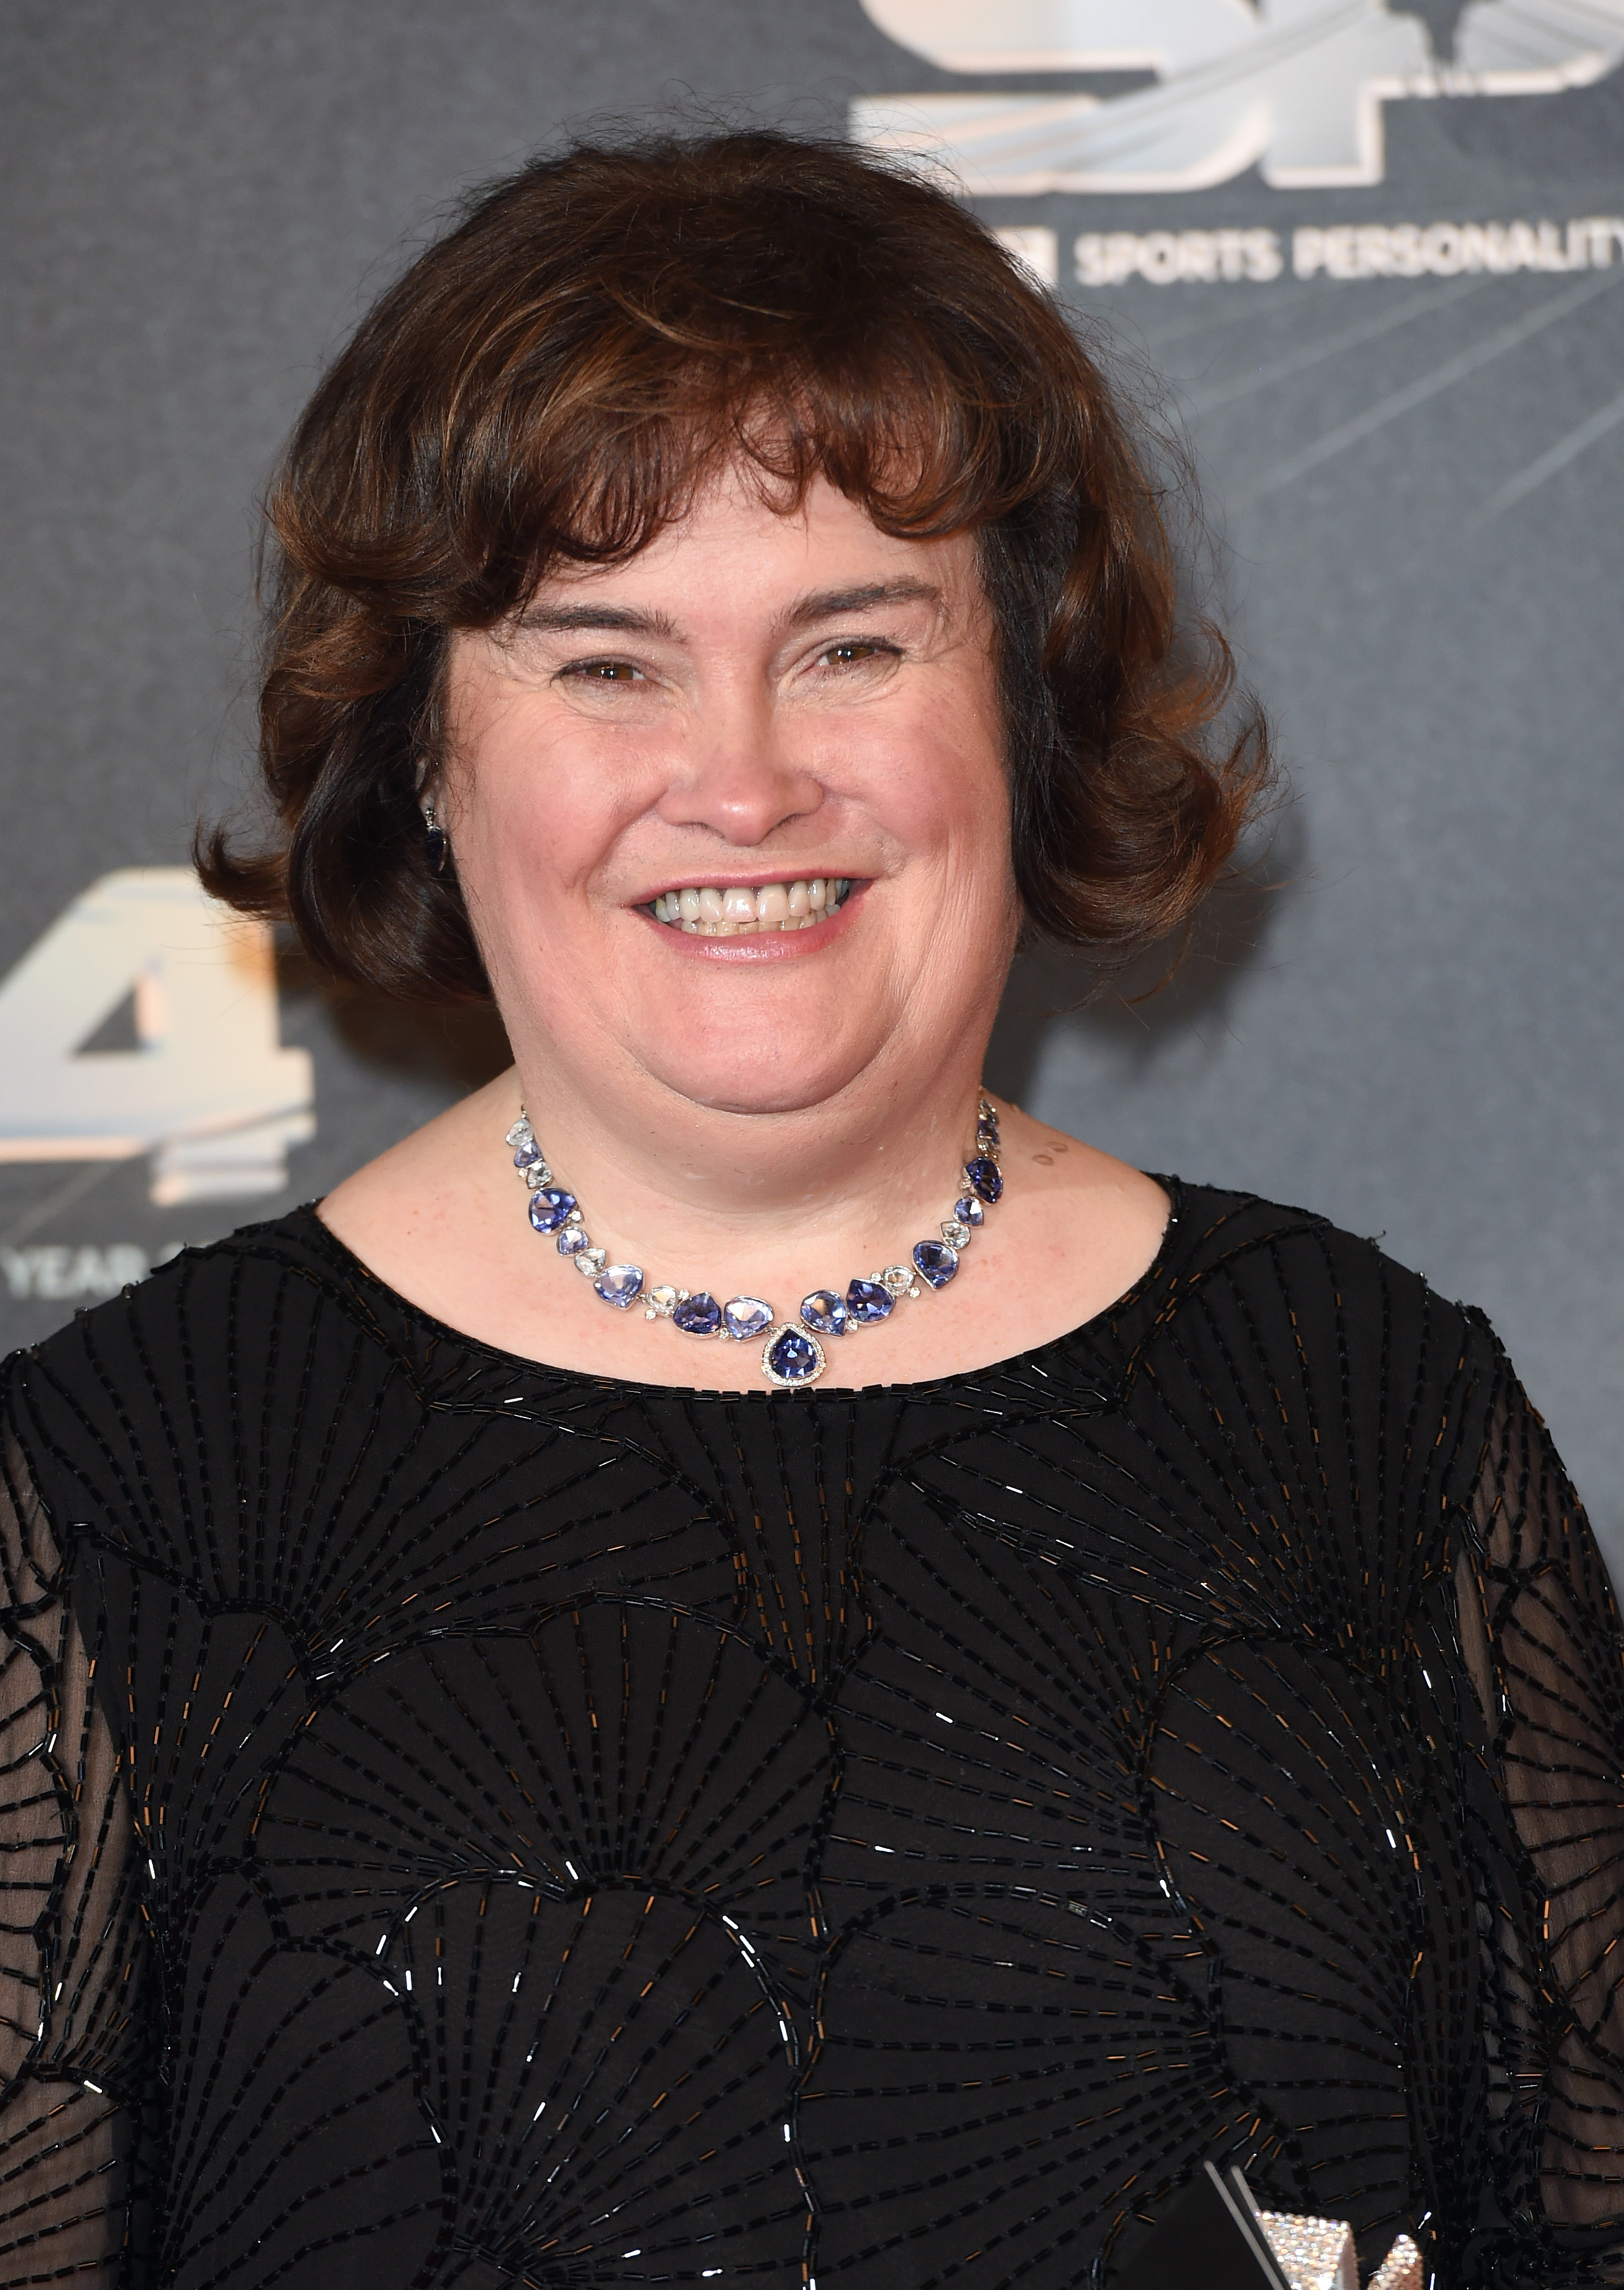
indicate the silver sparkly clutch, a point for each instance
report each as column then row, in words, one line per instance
column 1216, row 2235
column 1317, row 2253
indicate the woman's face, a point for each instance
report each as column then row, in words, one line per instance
column 757, row 702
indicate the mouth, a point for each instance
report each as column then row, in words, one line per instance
column 702, row 910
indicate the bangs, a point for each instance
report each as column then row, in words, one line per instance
column 617, row 372
column 898, row 435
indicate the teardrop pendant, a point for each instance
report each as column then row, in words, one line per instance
column 791, row 1358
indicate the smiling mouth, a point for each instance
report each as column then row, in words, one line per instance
column 705, row 912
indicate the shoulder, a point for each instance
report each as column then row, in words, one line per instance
column 1314, row 1332
column 1225, row 1237
column 141, row 1416
column 198, row 1300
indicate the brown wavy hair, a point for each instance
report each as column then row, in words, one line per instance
column 553, row 378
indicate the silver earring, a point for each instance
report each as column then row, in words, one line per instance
column 434, row 845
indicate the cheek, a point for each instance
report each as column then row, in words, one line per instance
column 535, row 815
column 950, row 804
column 952, row 791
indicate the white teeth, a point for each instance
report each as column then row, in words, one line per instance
column 713, row 913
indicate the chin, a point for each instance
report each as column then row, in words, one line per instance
column 772, row 1083
column 760, row 1102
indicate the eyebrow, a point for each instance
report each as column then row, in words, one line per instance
column 626, row 619
column 831, row 603
column 822, row 604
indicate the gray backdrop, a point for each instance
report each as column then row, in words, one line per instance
column 1406, row 1017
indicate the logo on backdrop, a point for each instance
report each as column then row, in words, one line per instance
column 203, row 1085
column 1293, row 87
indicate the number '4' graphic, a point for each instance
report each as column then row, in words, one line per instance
column 208, row 1090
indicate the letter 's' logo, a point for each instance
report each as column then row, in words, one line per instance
column 1294, row 87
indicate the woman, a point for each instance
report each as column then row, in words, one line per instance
column 737, row 1659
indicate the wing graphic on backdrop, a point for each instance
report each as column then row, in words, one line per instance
column 1294, row 86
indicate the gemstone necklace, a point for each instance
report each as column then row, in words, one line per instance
column 793, row 1353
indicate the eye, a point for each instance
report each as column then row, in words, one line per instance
column 604, row 671
column 852, row 651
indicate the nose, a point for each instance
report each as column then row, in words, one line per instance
column 737, row 775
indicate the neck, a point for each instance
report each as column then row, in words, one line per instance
column 731, row 1199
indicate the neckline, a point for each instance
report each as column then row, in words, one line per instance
column 516, row 1364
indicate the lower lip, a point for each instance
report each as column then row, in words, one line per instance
column 759, row 945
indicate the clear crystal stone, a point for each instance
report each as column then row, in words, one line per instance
column 521, row 1132
column 898, row 1278
column 590, row 1260
column 536, row 1175
column 662, row 1300
column 955, row 1235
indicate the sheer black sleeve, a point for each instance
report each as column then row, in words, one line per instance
column 71, row 1938
column 1540, row 1634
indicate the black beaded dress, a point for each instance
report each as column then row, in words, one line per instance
column 469, row 1823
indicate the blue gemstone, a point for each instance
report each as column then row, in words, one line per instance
column 619, row 1283
column 698, row 1315
column 825, row 1311
column 969, row 1211
column 549, row 1207
column 986, row 1129
column 985, row 1179
column 527, row 1155
column 793, row 1358
column 744, row 1316
column 866, row 1299
column 935, row 1261
column 572, row 1239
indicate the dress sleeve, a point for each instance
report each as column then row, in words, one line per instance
column 1540, row 1634
column 71, row 1935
